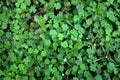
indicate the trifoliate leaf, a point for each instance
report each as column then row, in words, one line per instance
column 111, row 66
column 64, row 44
column 98, row 77
column 60, row 36
column 47, row 61
column 53, row 33
column 64, row 26
column 57, row 5
column 47, row 42
column 43, row 53
column 89, row 22
column 111, row 16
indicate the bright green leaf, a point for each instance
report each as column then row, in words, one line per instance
column 43, row 53
column 60, row 36
column 64, row 44
column 57, row 5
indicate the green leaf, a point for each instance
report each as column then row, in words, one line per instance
column 60, row 36
column 89, row 51
column 1, row 73
column 73, row 2
column 89, row 21
column 21, row 66
column 55, row 45
column 56, row 25
column 27, row 2
column 47, row 42
column 43, row 53
column 26, row 60
column 93, row 67
column 23, row 6
column 111, row 67
column 76, row 18
column 25, row 46
column 13, row 67
column 25, row 78
column 32, row 9
column 98, row 77
column 42, row 36
column 68, row 71
column 47, row 61
column 108, row 38
column 18, row 10
column 77, row 45
column 42, row 23
column 12, row 57
column 7, row 78
column 53, row 33
column 20, row 1
column 115, row 33
column 80, row 29
column 60, row 56
column 1, row 32
column 117, row 56
column 67, row 3
column 75, row 78
column 4, row 25
column 83, row 67
column 88, row 75
column 108, row 30
column 110, row 1
column 64, row 26
column 80, row 10
column 61, row 68
column 39, row 57
column 30, row 50
column 111, row 16
column 57, row 5
column 64, row 44
column 53, row 61
column 8, row 34
column 74, row 35
column 100, row 9
column 74, row 68
column 118, row 1
column 40, row 20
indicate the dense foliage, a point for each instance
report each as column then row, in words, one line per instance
column 59, row 39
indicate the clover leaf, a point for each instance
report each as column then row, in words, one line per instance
column 47, row 61
column 60, row 36
column 64, row 26
column 89, row 22
column 111, row 67
column 76, row 18
column 43, row 53
column 64, row 44
column 32, row 9
column 98, row 77
column 75, row 68
column 53, row 33
column 1, row 32
column 57, row 5
column 47, row 42
column 111, row 16
column 83, row 67
column 13, row 67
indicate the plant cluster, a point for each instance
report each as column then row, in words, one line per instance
column 60, row 40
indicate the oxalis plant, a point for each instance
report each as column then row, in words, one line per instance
column 60, row 40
